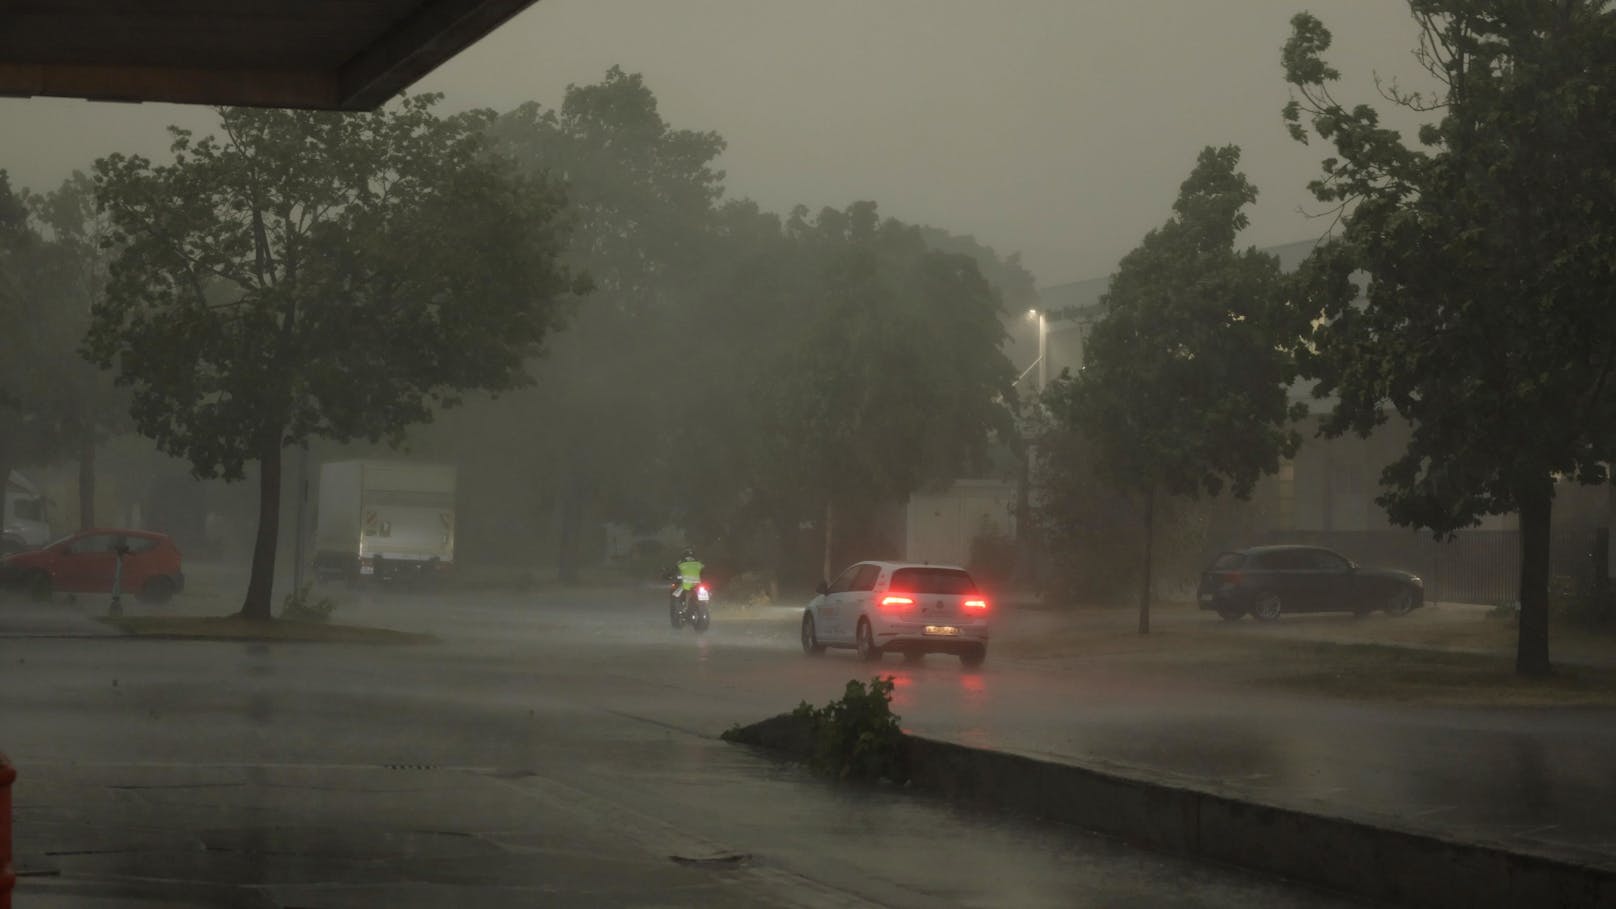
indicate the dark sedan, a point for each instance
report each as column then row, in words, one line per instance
column 1268, row 581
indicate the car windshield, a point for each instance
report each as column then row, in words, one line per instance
column 945, row 581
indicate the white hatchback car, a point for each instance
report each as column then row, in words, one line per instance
column 909, row 608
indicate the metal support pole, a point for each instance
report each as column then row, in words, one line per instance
column 8, row 878
column 116, row 606
column 1043, row 351
column 302, row 526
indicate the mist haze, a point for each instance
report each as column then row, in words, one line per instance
column 730, row 453
column 1057, row 129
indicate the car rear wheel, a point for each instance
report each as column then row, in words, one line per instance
column 1267, row 607
column 39, row 587
column 1401, row 603
column 1230, row 613
column 973, row 658
column 810, row 636
column 867, row 650
column 157, row 591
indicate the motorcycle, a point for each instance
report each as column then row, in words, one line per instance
column 690, row 606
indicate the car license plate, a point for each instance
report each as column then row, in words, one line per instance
column 1206, row 597
column 942, row 629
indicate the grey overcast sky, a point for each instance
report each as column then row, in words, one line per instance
column 1057, row 128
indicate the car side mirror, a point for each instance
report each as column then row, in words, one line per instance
column 822, row 589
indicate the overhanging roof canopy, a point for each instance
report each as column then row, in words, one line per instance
column 335, row 54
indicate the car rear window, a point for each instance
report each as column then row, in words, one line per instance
column 1285, row 560
column 1228, row 560
column 944, row 581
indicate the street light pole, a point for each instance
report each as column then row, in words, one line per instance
column 1043, row 350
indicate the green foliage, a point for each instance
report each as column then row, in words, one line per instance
column 52, row 272
column 1184, row 387
column 301, row 606
column 993, row 558
column 1489, row 253
column 1185, row 377
column 738, row 331
column 857, row 737
column 321, row 274
column 889, row 374
column 314, row 274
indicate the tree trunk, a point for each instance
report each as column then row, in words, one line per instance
column 1536, row 500
column 571, row 536
column 1026, row 531
column 261, row 585
column 5, row 484
column 830, row 536
column 1150, row 540
column 87, row 480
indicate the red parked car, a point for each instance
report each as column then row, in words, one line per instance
column 87, row 561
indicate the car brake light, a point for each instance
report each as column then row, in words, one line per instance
column 897, row 602
column 1232, row 578
column 977, row 604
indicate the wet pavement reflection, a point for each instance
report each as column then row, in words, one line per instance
column 562, row 753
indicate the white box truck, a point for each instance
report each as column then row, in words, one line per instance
column 384, row 520
column 22, row 516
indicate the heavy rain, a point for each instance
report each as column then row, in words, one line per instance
column 924, row 453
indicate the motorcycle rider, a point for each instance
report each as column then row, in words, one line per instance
column 685, row 575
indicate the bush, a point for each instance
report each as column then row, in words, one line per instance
column 301, row 606
column 1579, row 605
column 857, row 737
column 993, row 556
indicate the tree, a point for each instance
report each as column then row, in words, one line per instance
column 320, row 275
column 642, row 197
column 1489, row 254
column 1184, row 385
column 89, row 409
column 16, row 239
column 36, row 336
column 895, row 378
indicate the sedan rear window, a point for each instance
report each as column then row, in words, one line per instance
column 943, row 581
column 1228, row 560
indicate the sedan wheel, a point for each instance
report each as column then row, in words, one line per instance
column 867, row 650
column 810, row 636
column 39, row 587
column 1267, row 607
column 157, row 592
column 1401, row 603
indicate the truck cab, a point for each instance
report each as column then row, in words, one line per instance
column 22, row 519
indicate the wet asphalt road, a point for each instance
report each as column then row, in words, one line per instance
column 549, row 752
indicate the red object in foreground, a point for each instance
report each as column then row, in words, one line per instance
column 7, row 877
column 87, row 562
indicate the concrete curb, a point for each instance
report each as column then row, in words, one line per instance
column 1380, row 863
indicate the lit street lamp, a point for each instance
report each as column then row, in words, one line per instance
column 1043, row 344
